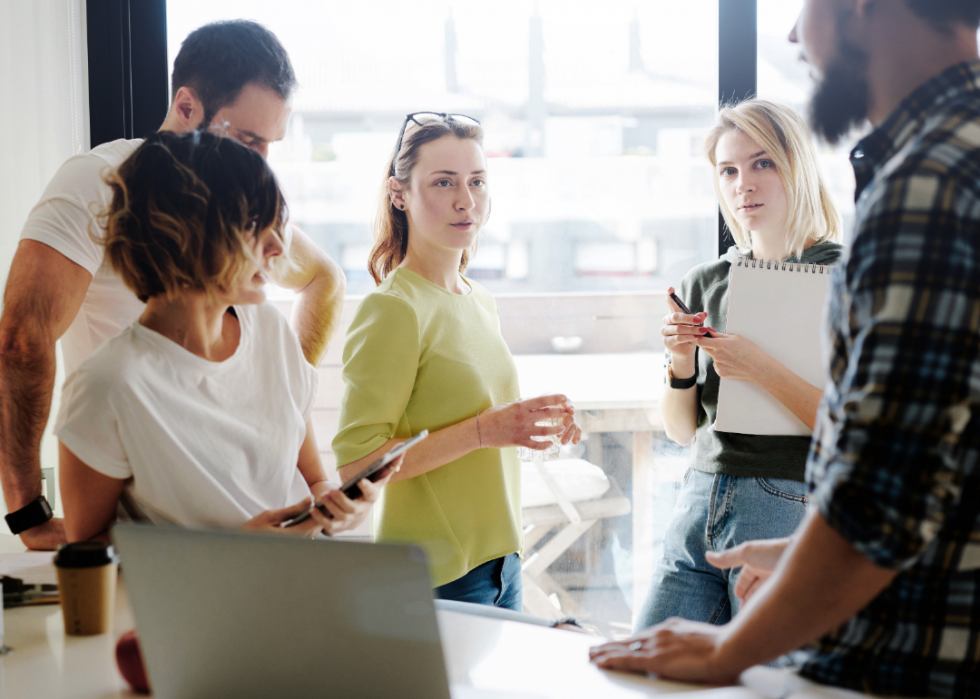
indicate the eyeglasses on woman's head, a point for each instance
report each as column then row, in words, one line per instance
column 423, row 118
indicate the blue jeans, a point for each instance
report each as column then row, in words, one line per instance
column 496, row 583
column 715, row 512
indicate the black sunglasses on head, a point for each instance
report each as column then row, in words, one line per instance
column 426, row 117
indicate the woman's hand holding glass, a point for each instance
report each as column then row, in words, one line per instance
column 573, row 431
column 514, row 424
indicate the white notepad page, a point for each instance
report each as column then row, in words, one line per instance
column 780, row 308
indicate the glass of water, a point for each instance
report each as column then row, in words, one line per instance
column 527, row 454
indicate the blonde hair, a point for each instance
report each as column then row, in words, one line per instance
column 783, row 134
column 390, row 222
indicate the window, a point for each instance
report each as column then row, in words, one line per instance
column 601, row 199
column 583, row 144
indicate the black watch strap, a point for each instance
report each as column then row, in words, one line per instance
column 35, row 513
column 683, row 383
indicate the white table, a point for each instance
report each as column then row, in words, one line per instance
column 612, row 393
column 485, row 658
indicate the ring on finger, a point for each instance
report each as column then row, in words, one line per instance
column 636, row 645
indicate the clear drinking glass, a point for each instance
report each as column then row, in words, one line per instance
column 527, row 454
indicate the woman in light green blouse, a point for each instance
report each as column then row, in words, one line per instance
column 425, row 352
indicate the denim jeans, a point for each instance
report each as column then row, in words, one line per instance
column 715, row 512
column 496, row 583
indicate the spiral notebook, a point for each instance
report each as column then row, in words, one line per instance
column 779, row 306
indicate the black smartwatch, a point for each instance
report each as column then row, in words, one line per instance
column 37, row 512
column 680, row 383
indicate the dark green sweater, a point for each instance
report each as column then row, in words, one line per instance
column 705, row 288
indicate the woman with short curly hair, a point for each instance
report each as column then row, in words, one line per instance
column 198, row 414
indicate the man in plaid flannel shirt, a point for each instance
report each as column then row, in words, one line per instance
column 881, row 583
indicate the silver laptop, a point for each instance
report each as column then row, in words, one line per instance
column 229, row 614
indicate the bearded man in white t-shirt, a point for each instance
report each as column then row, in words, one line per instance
column 233, row 76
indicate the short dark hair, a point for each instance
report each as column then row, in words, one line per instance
column 184, row 209
column 219, row 59
column 942, row 13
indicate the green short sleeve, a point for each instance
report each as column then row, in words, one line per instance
column 381, row 358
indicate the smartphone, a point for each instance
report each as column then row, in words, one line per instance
column 379, row 469
column 299, row 519
column 684, row 309
column 374, row 472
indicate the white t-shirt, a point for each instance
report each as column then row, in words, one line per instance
column 204, row 444
column 73, row 199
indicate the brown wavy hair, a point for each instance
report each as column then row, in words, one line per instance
column 391, row 223
column 184, row 209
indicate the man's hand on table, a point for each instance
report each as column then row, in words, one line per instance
column 692, row 651
column 676, row 649
column 45, row 537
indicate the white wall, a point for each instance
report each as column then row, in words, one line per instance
column 43, row 113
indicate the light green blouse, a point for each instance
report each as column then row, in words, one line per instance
column 419, row 357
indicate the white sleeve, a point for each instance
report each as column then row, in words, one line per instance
column 87, row 424
column 68, row 208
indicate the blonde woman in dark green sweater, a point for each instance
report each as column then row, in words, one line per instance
column 739, row 487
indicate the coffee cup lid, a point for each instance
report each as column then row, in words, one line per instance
column 85, row 554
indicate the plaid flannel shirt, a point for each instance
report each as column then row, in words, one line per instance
column 895, row 461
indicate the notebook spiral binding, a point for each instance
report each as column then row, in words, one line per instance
column 784, row 266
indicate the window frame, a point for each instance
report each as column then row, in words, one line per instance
column 129, row 91
column 128, row 85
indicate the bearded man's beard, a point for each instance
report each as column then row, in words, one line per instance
column 840, row 100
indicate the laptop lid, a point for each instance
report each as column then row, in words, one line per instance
column 233, row 614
